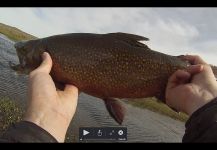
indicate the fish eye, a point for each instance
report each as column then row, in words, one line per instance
column 24, row 49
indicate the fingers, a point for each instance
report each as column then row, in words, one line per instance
column 183, row 76
column 179, row 77
column 193, row 59
column 194, row 69
column 46, row 64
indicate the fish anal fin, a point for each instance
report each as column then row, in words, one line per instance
column 115, row 109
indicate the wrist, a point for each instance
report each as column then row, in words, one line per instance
column 197, row 104
column 54, row 123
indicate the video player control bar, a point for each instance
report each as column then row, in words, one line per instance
column 103, row 133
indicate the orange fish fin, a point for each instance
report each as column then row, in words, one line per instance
column 115, row 109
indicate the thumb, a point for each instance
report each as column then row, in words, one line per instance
column 46, row 64
column 194, row 69
column 71, row 91
column 183, row 76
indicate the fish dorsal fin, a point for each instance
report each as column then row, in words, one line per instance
column 128, row 36
column 131, row 39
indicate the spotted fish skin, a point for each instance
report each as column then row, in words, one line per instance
column 107, row 66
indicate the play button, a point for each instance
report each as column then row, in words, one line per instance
column 85, row 132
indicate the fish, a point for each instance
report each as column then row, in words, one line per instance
column 110, row 66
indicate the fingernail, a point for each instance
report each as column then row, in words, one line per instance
column 201, row 67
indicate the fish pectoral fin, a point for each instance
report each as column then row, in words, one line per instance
column 115, row 109
column 131, row 39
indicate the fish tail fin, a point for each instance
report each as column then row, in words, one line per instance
column 115, row 109
column 214, row 70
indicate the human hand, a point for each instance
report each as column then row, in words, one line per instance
column 186, row 96
column 47, row 107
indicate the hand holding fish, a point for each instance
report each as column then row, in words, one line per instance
column 188, row 97
column 49, row 108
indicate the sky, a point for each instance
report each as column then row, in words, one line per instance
column 174, row 31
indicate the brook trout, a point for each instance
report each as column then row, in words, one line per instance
column 107, row 66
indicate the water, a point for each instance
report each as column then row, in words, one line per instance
column 11, row 84
column 142, row 125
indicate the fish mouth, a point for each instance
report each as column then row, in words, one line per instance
column 19, row 46
column 14, row 66
column 22, row 59
column 22, row 67
column 19, row 68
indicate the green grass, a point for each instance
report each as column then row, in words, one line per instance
column 10, row 112
column 14, row 33
column 159, row 107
